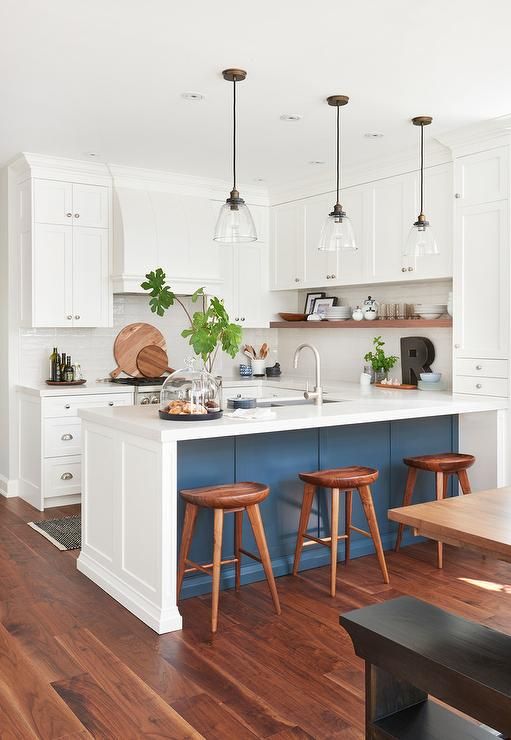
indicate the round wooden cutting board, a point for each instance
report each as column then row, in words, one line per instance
column 152, row 361
column 128, row 344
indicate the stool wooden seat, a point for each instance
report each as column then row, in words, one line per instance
column 231, row 498
column 346, row 480
column 443, row 465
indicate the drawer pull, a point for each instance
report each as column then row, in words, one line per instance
column 67, row 406
column 66, row 476
column 66, row 437
column 479, row 367
column 479, row 385
column 110, row 403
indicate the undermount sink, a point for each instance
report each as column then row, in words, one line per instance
column 294, row 402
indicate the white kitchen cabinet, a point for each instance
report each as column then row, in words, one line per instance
column 288, row 246
column 388, row 223
column 482, row 177
column 91, row 277
column 52, row 276
column 60, row 202
column 321, row 268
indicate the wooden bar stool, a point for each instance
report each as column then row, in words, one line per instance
column 338, row 480
column 231, row 498
column 443, row 466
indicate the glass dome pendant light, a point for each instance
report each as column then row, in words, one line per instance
column 235, row 224
column 421, row 240
column 337, row 232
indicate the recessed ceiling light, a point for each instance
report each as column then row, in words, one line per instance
column 258, row 179
column 374, row 135
column 291, row 117
column 317, row 161
column 195, row 97
column 91, row 154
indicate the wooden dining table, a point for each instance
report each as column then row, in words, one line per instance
column 477, row 521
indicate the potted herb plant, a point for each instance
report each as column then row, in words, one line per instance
column 380, row 363
column 210, row 328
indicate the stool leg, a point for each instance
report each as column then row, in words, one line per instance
column 368, row 506
column 308, row 498
column 254, row 516
column 334, row 531
column 217, row 557
column 440, row 484
column 238, row 528
column 464, row 481
column 348, row 508
column 446, row 485
column 407, row 500
column 190, row 518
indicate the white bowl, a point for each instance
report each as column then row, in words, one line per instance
column 431, row 315
column 431, row 377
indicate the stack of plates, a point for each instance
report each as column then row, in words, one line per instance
column 338, row 313
column 430, row 310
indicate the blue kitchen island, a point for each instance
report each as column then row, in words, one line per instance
column 134, row 465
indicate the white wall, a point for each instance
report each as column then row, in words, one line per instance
column 4, row 333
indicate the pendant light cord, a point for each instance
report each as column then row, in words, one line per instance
column 338, row 150
column 422, row 168
column 234, row 135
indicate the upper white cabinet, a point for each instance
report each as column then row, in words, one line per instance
column 64, row 253
column 382, row 213
column 57, row 202
column 481, row 256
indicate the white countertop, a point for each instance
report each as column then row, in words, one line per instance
column 356, row 405
column 92, row 387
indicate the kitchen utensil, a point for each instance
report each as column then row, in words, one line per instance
column 250, row 351
column 152, row 361
column 128, row 344
column 431, row 377
column 258, row 367
column 400, row 387
column 273, row 372
column 245, row 370
column 293, row 316
column 263, row 352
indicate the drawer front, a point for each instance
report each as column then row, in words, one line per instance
column 482, row 367
column 62, row 437
column 65, row 406
column 62, row 476
column 481, row 386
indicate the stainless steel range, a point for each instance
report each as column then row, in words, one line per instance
column 146, row 390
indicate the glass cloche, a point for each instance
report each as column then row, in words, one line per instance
column 191, row 394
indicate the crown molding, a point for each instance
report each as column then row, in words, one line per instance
column 49, row 167
column 492, row 132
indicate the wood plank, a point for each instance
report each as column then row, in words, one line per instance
column 147, row 712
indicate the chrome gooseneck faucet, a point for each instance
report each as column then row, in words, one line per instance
column 317, row 393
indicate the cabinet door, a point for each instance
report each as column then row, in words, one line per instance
column 438, row 206
column 91, row 206
column 53, row 202
column 319, row 265
column 288, row 246
column 250, row 289
column 52, row 276
column 388, row 228
column 482, row 177
column 481, row 281
column 91, row 282
column 351, row 265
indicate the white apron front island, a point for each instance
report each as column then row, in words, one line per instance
column 134, row 465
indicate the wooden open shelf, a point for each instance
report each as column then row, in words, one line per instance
column 375, row 325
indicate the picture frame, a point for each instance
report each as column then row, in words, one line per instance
column 321, row 304
column 309, row 301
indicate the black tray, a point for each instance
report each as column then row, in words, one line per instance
column 190, row 417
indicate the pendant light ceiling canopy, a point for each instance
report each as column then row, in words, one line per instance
column 337, row 232
column 235, row 224
column 421, row 239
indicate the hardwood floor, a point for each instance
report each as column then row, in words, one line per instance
column 75, row 664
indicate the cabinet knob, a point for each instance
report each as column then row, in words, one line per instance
column 110, row 403
column 67, row 406
column 297, row 280
column 77, row 315
column 456, row 346
column 66, row 437
column 479, row 385
column 479, row 367
column 77, row 215
column 332, row 276
column 410, row 269
column 242, row 318
column 69, row 215
column 457, row 195
column 403, row 269
column 237, row 318
column 69, row 317
column 66, row 476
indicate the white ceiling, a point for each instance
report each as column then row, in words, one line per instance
column 106, row 76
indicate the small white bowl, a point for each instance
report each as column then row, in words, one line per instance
column 431, row 377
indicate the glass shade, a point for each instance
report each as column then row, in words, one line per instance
column 235, row 224
column 421, row 241
column 337, row 234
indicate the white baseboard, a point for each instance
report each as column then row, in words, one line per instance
column 160, row 620
column 8, row 488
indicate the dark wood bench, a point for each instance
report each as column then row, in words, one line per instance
column 413, row 650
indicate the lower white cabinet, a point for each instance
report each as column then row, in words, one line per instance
column 50, row 444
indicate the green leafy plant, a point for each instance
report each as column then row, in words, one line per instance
column 210, row 328
column 378, row 359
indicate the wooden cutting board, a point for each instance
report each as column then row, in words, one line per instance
column 152, row 361
column 401, row 387
column 128, row 344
